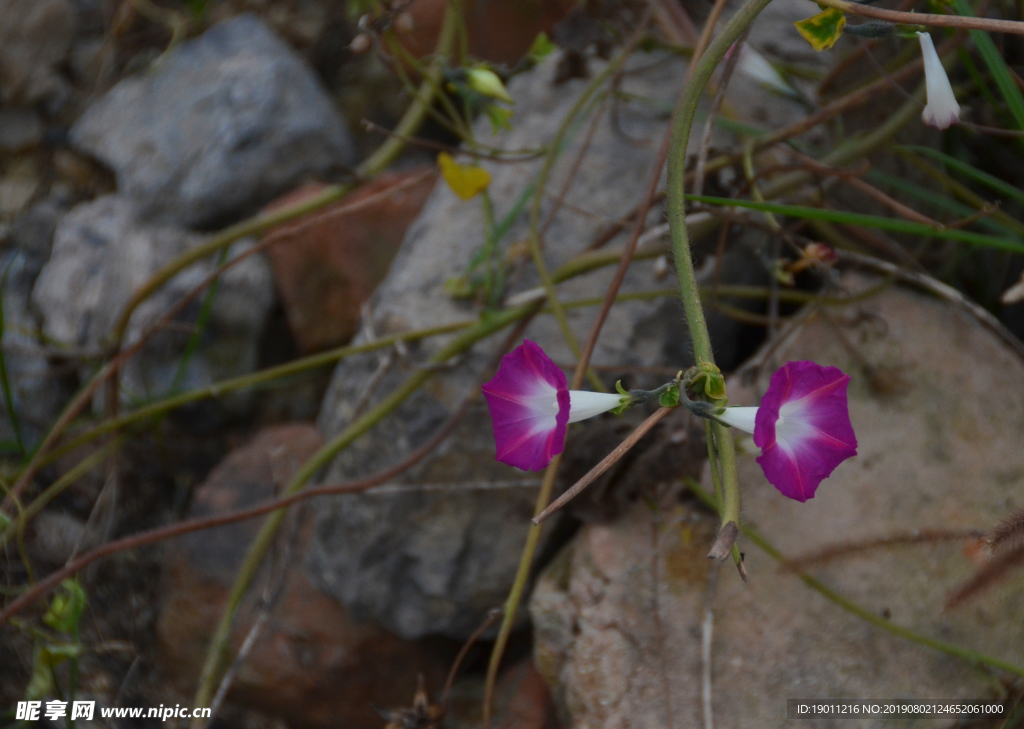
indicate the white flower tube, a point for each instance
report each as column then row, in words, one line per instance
column 584, row 404
column 741, row 418
column 941, row 111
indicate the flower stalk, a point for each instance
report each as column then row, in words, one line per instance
column 724, row 457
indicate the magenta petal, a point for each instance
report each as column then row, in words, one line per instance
column 529, row 402
column 803, row 427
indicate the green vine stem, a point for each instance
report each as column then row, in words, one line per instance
column 972, row 657
column 689, row 292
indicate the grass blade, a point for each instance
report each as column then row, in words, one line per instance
column 990, row 181
column 894, row 225
column 996, row 66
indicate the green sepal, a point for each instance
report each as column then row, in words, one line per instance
column 669, row 398
column 706, row 378
column 626, row 400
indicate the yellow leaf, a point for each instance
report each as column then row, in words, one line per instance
column 467, row 182
column 822, row 30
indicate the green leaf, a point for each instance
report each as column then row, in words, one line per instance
column 66, row 608
column 47, row 657
column 996, row 65
column 822, row 30
column 499, row 117
column 542, row 46
column 895, row 225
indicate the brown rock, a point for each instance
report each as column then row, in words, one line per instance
column 500, row 31
column 332, row 262
column 528, row 703
column 311, row 665
column 522, row 700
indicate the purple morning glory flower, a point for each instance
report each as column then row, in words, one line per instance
column 531, row 407
column 802, row 427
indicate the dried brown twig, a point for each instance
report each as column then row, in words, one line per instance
column 1008, row 533
column 845, row 549
column 993, row 572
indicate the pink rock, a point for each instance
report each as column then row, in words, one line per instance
column 333, row 262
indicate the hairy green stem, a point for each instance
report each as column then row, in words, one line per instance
column 688, row 290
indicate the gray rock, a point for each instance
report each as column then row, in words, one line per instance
column 939, row 428
column 220, row 126
column 35, row 37
column 38, row 390
column 102, row 253
column 432, row 561
column 55, row 536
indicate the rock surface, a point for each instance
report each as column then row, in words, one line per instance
column 311, row 664
column 35, row 38
column 224, row 123
column 328, row 268
column 939, row 424
column 19, row 129
column 433, row 561
column 102, row 253
column 37, row 389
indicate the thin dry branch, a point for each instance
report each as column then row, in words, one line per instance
column 1008, row 533
column 606, row 463
column 845, row 549
column 992, row 573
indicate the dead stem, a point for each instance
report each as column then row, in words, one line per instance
column 988, row 576
column 606, row 463
column 846, row 549
column 1008, row 533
